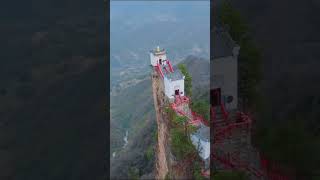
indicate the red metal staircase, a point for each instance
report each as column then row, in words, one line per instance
column 170, row 66
column 223, row 128
column 159, row 70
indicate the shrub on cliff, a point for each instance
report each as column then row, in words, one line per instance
column 197, row 171
column 181, row 144
column 187, row 80
column 202, row 108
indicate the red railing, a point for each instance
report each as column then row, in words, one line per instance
column 232, row 162
column 221, row 133
column 166, row 69
column 267, row 169
column 205, row 173
column 170, row 66
column 195, row 118
column 200, row 118
column 213, row 114
column 274, row 171
column 158, row 68
column 224, row 112
column 179, row 100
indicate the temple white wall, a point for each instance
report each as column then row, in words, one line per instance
column 171, row 86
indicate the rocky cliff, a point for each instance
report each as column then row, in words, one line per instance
column 167, row 166
column 162, row 150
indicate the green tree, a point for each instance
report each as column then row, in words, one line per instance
column 192, row 129
column 167, row 177
column 171, row 113
column 187, row 80
column 232, row 18
column 250, row 72
column 181, row 144
column 155, row 135
column 182, row 120
column 133, row 173
column 291, row 144
column 197, row 171
column 202, row 108
column 149, row 153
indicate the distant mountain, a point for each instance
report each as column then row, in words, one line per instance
column 141, row 28
column 198, row 68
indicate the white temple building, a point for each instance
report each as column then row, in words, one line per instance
column 201, row 140
column 173, row 78
column 158, row 56
column 224, row 70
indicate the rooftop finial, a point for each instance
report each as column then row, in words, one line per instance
column 158, row 49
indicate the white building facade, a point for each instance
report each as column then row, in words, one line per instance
column 173, row 87
column 224, row 70
column 173, row 81
column 158, row 56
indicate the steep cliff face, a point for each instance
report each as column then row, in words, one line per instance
column 162, row 150
column 166, row 163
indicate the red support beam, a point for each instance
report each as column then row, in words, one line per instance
column 194, row 119
column 213, row 114
column 223, row 132
column 205, row 173
column 166, row 69
column 170, row 66
column 159, row 70
column 232, row 162
column 225, row 114
column 272, row 170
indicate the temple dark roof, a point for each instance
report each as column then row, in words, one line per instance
column 203, row 133
column 176, row 75
column 222, row 43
